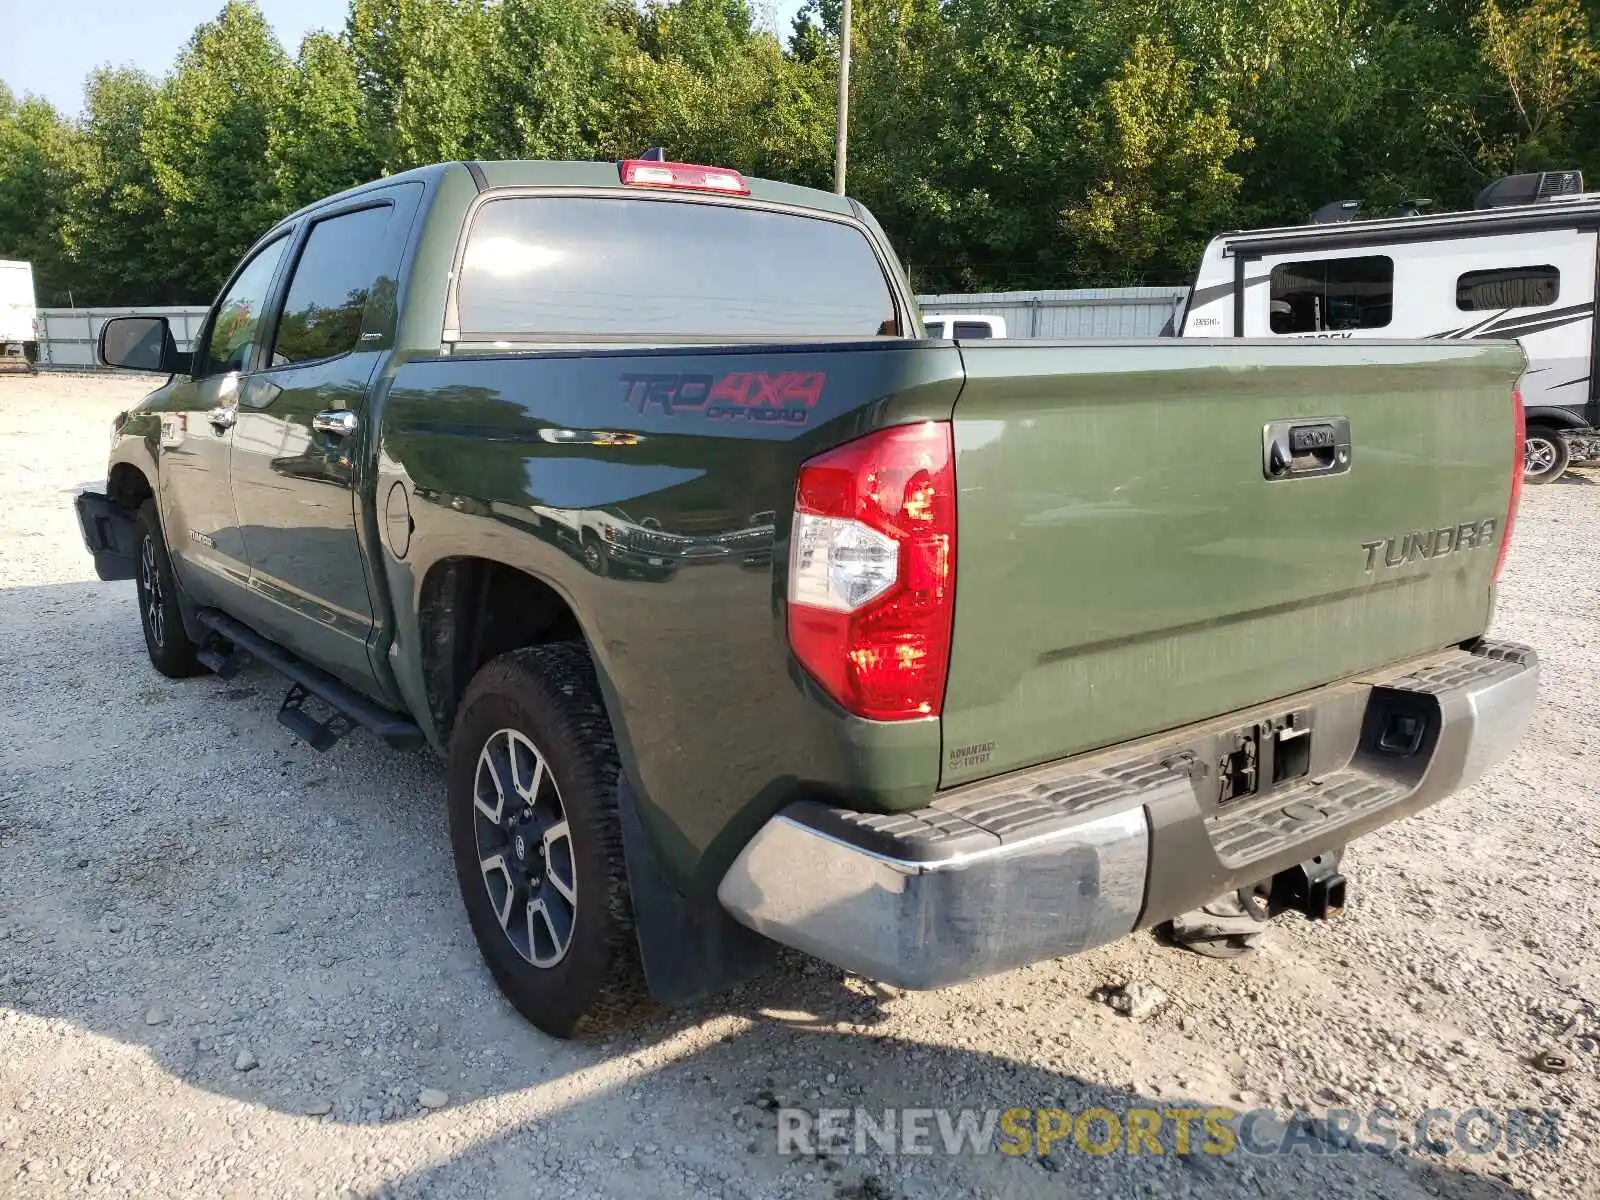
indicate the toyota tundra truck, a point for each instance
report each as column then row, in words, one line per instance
column 957, row 656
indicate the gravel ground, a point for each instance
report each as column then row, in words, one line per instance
column 230, row 966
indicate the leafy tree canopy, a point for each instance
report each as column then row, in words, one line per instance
column 1002, row 143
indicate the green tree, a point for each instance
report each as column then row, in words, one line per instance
column 115, row 227
column 705, row 85
column 208, row 138
column 1542, row 68
column 706, row 35
column 1002, row 143
column 36, row 151
column 966, row 134
column 421, row 67
column 1160, row 160
column 549, row 78
column 319, row 142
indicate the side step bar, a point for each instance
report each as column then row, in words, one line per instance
column 350, row 706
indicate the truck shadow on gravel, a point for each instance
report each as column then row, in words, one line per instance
column 826, row 1056
column 282, row 928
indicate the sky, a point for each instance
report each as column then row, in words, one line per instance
column 49, row 46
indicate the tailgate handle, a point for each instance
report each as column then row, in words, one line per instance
column 1305, row 447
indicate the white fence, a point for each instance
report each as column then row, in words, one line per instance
column 67, row 336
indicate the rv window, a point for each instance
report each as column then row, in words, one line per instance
column 1332, row 294
column 1508, row 287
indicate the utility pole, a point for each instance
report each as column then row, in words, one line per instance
column 842, row 136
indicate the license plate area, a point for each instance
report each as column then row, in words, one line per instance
column 1264, row 757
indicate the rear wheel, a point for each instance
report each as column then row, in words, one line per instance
column 538, row 845
column 166, row 640
column 1544, row 454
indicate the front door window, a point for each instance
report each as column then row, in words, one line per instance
column 237, row 325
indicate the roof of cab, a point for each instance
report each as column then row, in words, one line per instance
column 515, row 173
column 533, row 173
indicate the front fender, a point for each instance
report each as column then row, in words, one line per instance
column 108, row 520
column 135, row 450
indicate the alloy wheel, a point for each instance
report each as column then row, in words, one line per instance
column 1538, row 455
column 155, row 608
column 525, row 848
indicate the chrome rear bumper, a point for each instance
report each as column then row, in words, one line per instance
column 924, row 924
column 1075, row 854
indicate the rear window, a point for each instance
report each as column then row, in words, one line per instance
column 561, row 267
column 1332, row 294
column 967, row 330
column 1508, row 287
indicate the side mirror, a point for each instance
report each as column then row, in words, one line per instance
column 141, row 344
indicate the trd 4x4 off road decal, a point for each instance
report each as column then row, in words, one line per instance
column 788, row 396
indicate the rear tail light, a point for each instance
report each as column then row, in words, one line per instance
column 872, row 571
column 647, row 172
column 1519, row 423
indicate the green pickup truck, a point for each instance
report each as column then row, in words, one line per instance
column 745, row 614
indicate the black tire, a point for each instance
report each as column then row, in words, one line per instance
column 549, row 696
column 171, row 651
column 594, row 553
column 1544, row 455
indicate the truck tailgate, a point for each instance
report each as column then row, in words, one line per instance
column 1126, row 564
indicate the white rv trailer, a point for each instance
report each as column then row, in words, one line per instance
column 19, row 319
column 1522, row 265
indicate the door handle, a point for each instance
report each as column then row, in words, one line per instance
column 340, row 422
column 1297, row 449
column 222, row 418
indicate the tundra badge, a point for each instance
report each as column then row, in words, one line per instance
column 1401, row 549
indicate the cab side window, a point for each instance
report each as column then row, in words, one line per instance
column 340, row 288
column 236, row 327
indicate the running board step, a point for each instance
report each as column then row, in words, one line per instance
column 319, row 735
column 350, row 707
column 221, row 658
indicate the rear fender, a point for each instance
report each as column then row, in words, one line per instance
column 684, row 463
column 689, row 946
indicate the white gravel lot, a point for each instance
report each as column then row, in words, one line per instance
column 230, row 966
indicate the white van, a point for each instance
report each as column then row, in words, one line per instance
column 963, row 327
column 19, row 319
column 1521, row 265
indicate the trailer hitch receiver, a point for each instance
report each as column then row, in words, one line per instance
column 1314, row 888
